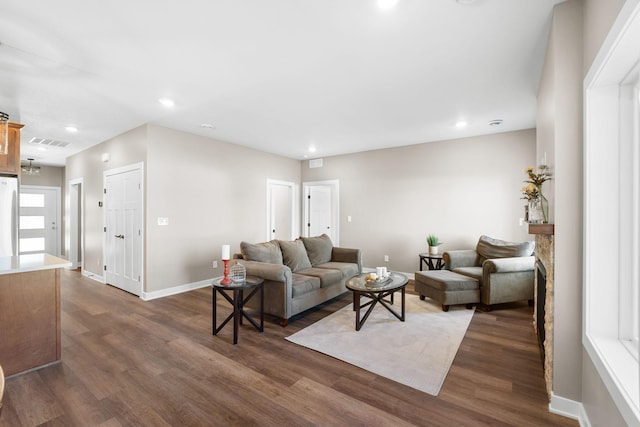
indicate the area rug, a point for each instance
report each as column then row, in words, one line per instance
column 417, row 352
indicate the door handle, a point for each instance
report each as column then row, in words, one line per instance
column 119, row 236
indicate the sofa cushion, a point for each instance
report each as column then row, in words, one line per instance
column 294, row 254
column 348, row 269
column 489, row 248
column 301, row 284
column 475, row 272
column 327, row 276
column 318, row 249
column 446, row 281
column 262, row 252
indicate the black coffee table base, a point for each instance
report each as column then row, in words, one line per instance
column 376, row 297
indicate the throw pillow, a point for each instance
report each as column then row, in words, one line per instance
column 294, row 255
column 318, row 249
column 489, row 248
column 262, row 252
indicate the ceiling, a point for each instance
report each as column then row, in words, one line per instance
column 280, row 76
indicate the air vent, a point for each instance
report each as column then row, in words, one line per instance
column 49, row 143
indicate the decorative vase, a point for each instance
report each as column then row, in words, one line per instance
column 544, row 206
column 536, row 215
column 433, row 250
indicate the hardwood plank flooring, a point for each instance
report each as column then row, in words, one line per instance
column 126, row 362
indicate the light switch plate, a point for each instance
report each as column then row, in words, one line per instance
column 163, row 221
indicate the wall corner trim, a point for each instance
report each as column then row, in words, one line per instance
column 569, row 408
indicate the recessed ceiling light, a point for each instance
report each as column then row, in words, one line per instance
column 465, row 2
column 496, row 122
column 461, row 124
column 387, row 4
column 312, row 148
column 42, row 149
column 166, row 102
column 207, row 126
column 71, row 129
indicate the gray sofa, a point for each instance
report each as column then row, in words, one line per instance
column 504, row 270
column 299, row 274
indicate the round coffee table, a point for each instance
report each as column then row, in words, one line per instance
column 376, row 292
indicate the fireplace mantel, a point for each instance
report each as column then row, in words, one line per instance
column 541, row 229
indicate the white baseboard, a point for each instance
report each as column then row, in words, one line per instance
column 570, row 409
column 93, row 276
column 148, row 296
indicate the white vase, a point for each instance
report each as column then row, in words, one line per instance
column 433, row 250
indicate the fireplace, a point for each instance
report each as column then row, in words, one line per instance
column 541, row 298
column 543, row 295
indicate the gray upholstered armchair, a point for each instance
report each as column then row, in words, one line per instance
column 504, row 270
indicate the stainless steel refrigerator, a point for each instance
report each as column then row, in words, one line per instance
column 8, row 215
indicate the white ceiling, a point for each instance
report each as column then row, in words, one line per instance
column 275, row 75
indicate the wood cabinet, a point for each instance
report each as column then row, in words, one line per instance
column 10, row 162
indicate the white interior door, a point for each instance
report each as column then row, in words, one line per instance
column 321, row 210
column 40, row 219
column 123, row 230
column 280, row 210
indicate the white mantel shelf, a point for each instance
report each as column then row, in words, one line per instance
column 33, row 262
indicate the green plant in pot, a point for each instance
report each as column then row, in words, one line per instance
column 433, row 242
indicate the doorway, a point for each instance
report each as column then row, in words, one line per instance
column 40, row 220
column 75, row 224
column 281, row 210
column 123, row 253
column 321, row 209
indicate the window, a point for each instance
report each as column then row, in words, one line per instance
column 612, row 213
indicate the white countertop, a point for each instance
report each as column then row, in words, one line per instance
column 34, row 262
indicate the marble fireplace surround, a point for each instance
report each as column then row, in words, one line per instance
column 545, row 255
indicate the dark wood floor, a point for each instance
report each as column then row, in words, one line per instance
column 132, row 363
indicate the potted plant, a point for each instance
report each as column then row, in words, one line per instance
column 433, row 242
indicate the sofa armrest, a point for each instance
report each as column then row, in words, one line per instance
column 267, row 271
column 508, row 265
column 347, row 255
column 460, row 258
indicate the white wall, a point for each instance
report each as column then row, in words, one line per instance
column 456, row 189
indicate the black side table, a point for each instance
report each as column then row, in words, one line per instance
column 434, row 262
column 237, row 302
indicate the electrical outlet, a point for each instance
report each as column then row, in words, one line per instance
column 521, row 221
column 386, row 258
column 215, row 264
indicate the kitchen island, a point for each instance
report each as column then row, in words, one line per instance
column 29, row 311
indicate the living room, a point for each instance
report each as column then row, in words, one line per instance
column 214, row 193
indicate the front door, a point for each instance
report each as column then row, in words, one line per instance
column 39, row 219
column 123, row 231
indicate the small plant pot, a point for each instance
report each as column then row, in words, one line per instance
column 433, row 250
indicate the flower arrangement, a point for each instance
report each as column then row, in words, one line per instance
column 532, row 190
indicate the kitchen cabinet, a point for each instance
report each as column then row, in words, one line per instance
column 10, row 162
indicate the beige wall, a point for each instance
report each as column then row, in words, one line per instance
column 456, row 189
column 49, row 176
column 126, row 149
column 213, row 193
column 560, row 135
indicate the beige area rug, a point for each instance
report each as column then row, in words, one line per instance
column 417, row 352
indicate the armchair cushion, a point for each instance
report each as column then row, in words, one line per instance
column 262, row 252
column 489, row 248
column 294, row 255
column 318, row 249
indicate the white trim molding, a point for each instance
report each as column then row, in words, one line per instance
column 569, row 408
column 148, row 296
